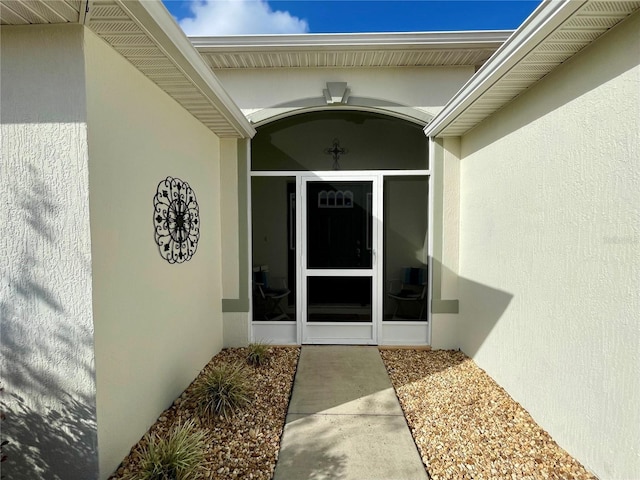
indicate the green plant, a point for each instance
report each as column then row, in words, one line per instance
column 223, row 390
column 3, row 456
column 179, row 455
column 258, row 353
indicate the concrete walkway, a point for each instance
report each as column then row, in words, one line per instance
column 344, row 420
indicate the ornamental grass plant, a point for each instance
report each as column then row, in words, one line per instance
column 223, row 390
column 258, row 353
column 177, row 455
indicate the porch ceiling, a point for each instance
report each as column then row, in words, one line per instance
column 350, row 50
column 147, row 36
column 550, row 36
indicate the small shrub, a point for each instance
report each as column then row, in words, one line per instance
column 223, row 390
column 258, row 353
column 3, row 456
column 179, row 455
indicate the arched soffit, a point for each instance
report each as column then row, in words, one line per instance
column 362, row 104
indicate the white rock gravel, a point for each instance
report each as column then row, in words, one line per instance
column 247, row 445
column 466, row 426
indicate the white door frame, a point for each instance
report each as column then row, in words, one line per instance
column 384, row 333
column 340, row 332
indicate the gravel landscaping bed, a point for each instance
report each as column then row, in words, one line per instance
column 466, row 426
column 246, row 446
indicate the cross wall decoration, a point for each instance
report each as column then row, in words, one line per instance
column 336, row 151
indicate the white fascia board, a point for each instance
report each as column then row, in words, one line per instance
column 154, row 18
column 354, row 41
column 545, row 19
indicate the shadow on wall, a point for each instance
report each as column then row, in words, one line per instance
column 481, row 308
column 50, row 424
column 267, row 156
column 56, row 445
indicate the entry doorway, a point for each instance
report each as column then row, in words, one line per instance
column 339, row 208
column 338, row 244
column 339, row 262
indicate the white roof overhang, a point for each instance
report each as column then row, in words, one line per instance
column 147, row 36
column 552, row 34
column 356, row 50
column 352, row 50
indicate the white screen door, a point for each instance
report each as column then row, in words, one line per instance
column 338, row 275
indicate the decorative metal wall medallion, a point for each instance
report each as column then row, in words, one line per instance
column 176, row 220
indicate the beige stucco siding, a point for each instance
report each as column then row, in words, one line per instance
column 445, row 251
column 229, row 217
column 156, row 324
column 550, row 252
column 46, row 329
column 264, row 88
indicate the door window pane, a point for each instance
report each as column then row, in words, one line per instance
column 273, row 248
column 405, row 247
column 339, row 299
column 339, row 224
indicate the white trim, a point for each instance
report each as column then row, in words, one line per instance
column 430, row 214
column 299, row 259
column 341, row 272
column 378, row 258
column 352, row 331
column 275, row 333
column 406, row 333
column 357, row 333
column 406, row 322
column 334, row 174
column 376, row 272
column 339, row 324
column 355, row 41
column 379, row 327
column 369, row 220
column 360, row 104
column 249, row 320
column 549, row 15
column 272, row 322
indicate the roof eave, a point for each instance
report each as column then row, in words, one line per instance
column 544, row 20
column 158, row 23
column 403, row 40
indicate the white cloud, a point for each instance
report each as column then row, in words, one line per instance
column 238, row 17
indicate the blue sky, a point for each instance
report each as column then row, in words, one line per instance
column 231, row 17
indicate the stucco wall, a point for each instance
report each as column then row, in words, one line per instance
column 236, row 329
column 229, row 217
column 550, row 252
column 445, row 249
column 156, row 324
column 427, row 88
column 46, row 327
column 235, row 241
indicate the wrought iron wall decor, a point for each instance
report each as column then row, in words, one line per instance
column 176, row 220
